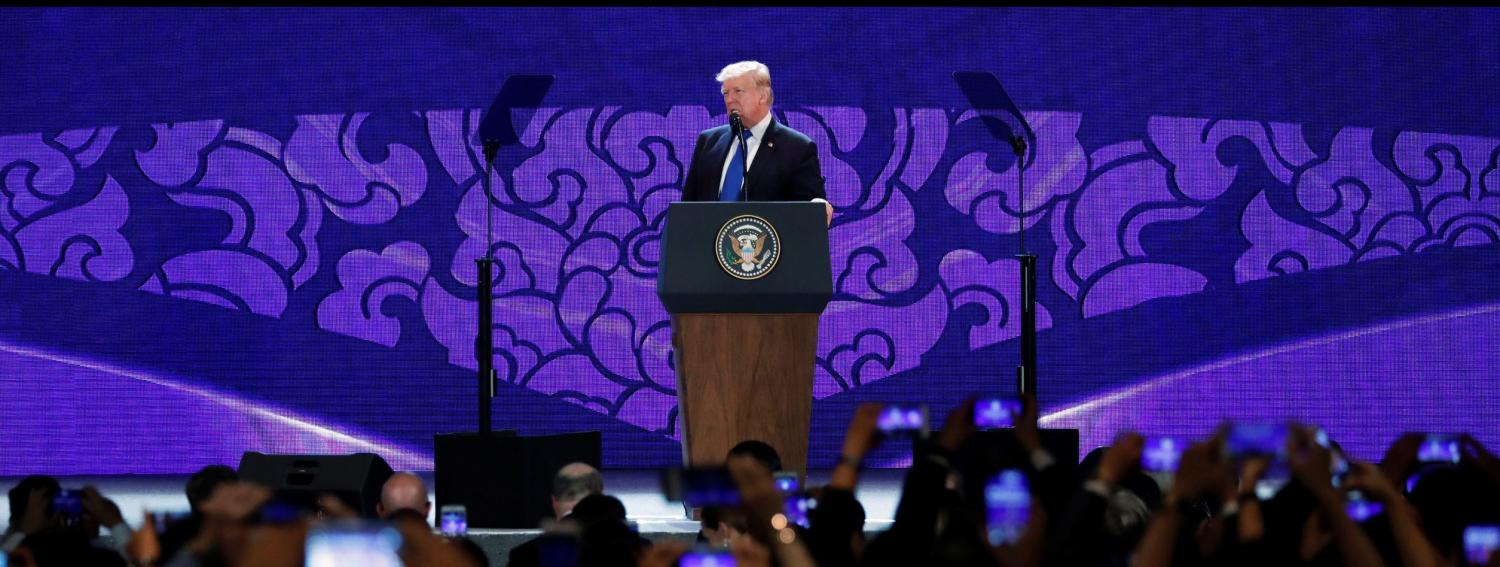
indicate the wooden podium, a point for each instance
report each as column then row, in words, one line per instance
column 745, row 336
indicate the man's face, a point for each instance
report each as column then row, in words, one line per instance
column 740, row 93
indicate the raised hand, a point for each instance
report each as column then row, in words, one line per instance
column 757, row 493
column 1369, row 479
column 1122, row 458
column 1199, row 471
column 235, row 501
column 863, row 434
column 144, row 548
column 420, row 546
column 1471, row 452
column 332, row 507
column 763, row 505
column 1310, row 462
column 862, row 437
column 1027, row 552
column 1400, row 457
column 36, row 517
column 663, row 554
column 959, row 426
column 749, row 553
column 100, row 508
column 1027, row 431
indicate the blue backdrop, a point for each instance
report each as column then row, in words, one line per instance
column 254, row 229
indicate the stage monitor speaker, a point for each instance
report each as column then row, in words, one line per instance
column 991, row 450
column 505, row 481
column 355, row 479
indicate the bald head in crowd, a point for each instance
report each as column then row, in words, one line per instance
column 403, row 491
column 572, row 483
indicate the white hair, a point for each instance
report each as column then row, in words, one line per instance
column 759, row 72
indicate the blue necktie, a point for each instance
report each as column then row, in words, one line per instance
column 735, row 177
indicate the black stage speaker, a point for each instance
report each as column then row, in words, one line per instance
column 1061, row 443
column 504, row 480
column 355, row 479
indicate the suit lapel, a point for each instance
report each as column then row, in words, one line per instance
column 763, row 155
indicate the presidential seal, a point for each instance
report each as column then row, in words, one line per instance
column 748, row 247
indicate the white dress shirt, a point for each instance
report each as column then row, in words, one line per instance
column 757, row 132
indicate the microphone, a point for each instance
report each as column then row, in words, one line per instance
column 736, row 128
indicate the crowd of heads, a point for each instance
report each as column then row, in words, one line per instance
column 1249, row 494
column 228, row 522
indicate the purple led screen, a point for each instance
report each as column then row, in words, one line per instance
column 272, row 248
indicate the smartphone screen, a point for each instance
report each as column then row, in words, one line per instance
column 897, row 419
column 787, row 483
column 1480, row 543
column 1266, row 440
column 797, row 506
column 1247, row 440
column 454, row 520
column 1357, row 505
column 69, row 503
column 165, row 520
column 1161, row 454
column 1007, row 504
column 277, row 511
column 706, row 557
column 1438, row 448
column 336, row 543
column 1361, row 508
column 996, row 412
column 700, row 486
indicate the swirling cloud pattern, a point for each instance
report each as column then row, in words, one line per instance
column 575, row 214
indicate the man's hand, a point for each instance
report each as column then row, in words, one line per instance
column 1400, row 457
column 1199, row 470
column 331, row 507
column 235, row 501
column 749, row 553
column 959, row 427
column 1027, row 551
column 223, row 515
column 101, row 508
column 144, row 548
column 863, row 435
column 1251, row 469
column 1121, row 458
column 757, row 487
column 828, row 207
column 36, row 518
column 420, row 546
column 1367, row 477
column 274, row 545
column 1311, row 463
column 664, row 554
column 1473, row 453
column 1027, row 431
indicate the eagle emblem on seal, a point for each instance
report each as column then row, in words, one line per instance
column 748, row 247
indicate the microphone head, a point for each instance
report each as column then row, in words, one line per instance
column 734, row 120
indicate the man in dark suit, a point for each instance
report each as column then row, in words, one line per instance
column 783, row 163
